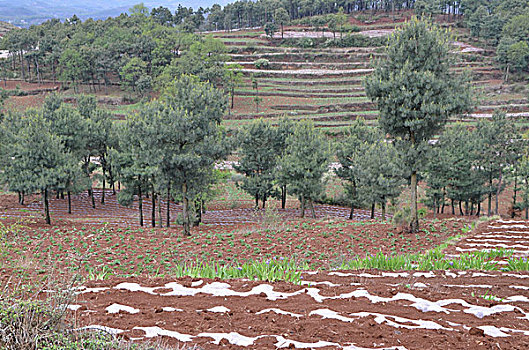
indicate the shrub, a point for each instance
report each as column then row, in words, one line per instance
column 402, row 218
column 41, row 324
column 356, row 40
column 262, row 63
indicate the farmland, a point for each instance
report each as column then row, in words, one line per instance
column 125, row 258
column 260, row 281
column 324, row 85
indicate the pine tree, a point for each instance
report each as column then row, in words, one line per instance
column 381, row 175
column 498, row 149
column 36, row 158
column 258, row 160
column 357, row 139
column 304, row 163
column 416, row 93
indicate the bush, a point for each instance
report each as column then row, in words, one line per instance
column 304, row 43
column 402, row 218
column 262, row 63
column 356, row 40
column 41, row 324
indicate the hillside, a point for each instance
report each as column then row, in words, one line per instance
column 324, row 84
column 27, row 12
column 5, row 27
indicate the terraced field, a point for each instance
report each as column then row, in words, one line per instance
column 325, row 84
column 340, row 309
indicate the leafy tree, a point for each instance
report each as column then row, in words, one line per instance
column 75, row 68
column 193, row 112
column 523, row 172
column 427, row 7
column 233, row 79
column 281, row 17
column 258, row 160
column 453, row 171
column 357, row 139
column 133, row 74
column 497, row 149
column 256, row 99
column 270, row 28
column 67, row 123
column 477, row 20
column 304, row 163
column 162, row 15
column 381, row 175
column 416, row 93
column 284, row 130
column 36, row 158
column 133, row 162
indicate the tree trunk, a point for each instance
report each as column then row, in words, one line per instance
column 153, row 210
column 38, row 71
column 514, row 194
column 443, row 207
column 489, row 208
column 256, row 201
column 414, row 213
column 351, row 214
column 168, row 223
column 198, row 212
column 22, row 66
column 372, row 210
column 104, row 185
column 384, row 209
column 160, row 209
column 283, row 196
column 140, row 204
column 453, row 208
column 302, row 206
column 434, row 207
column 185, row 209
column 264, row 202
column 461, row 209
column 93, row 198
column 69, row 202
column 46, row 206
column 479, row 209
column 498, row 190
column 312, row 209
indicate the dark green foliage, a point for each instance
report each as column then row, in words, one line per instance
column 36, row 159
column 498, row 148
column 258, row 160
column 172, row 145
column 357, row 140
column 304, row 163
column 416, row 93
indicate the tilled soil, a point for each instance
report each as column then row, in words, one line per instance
column 501, row 234
column 340, row 309
column 115, row 214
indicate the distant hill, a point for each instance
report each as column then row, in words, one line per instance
column 28, row 12
column 5, row 27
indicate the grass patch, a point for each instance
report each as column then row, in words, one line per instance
column 270, row 270
column 435, row 260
